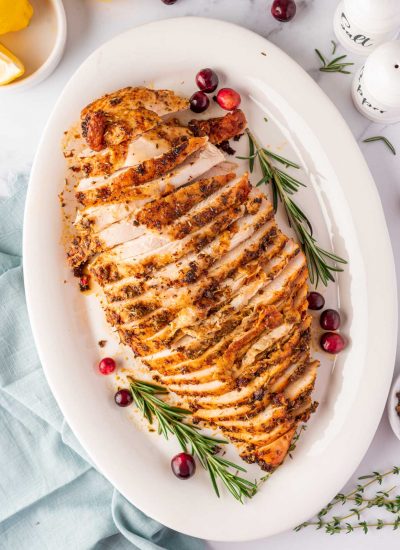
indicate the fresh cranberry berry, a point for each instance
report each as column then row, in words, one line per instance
column 228, row 99
column 332, row 342
column 315, row 300
column 169, row 2
column 84, row 283
column 183, row 465
column 199, row 102
column 283, row 10
column 207, row 80
column 123, row 398
column 330, row 319
column 107, row 365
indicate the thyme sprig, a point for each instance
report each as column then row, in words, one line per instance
column 389, row 145
column 335, row 65
column 295, row 439
column 360, row 503
column 321, row 263
column 173, row 421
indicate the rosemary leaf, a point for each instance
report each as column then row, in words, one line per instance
column 246, row 158
column 381, row 138
column 264, row 179
column 280, row 159
column 334, row 46
column 334, row 70
column 334, row 61
column 251, row 155
column 321, row 57
column 274, row 198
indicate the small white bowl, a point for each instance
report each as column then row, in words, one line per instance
column 394, row 418
column 40, row 46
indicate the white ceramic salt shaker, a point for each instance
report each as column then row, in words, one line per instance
column 362, row 25
column 376, row 86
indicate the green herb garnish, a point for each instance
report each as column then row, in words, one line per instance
column 295, row 439
column 321, row 263
column 336, row 65
column 171, row 421
column 360, row 503
column 381, row 138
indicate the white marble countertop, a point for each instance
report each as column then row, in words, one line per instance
column 91, row 22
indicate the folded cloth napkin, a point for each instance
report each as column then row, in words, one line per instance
column 51, row 497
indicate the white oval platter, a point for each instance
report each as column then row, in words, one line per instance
column 344, row 205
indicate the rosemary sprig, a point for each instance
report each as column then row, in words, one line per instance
column 385, row 141
column 320, row 262
column 171, row 421
column 335, row 65
column 338, row 524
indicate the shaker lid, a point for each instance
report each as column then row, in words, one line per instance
column 374, row 15
column 382, row 73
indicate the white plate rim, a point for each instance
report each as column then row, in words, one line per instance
column 348, row 150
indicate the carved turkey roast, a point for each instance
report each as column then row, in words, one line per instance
column 198, row 279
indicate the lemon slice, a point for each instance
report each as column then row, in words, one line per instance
column 14, row 15
column 10, row 66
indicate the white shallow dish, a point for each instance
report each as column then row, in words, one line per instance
column 343, row 203
column 40, row 46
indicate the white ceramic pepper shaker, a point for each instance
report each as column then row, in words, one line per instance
column 362, row 25
column 376, row 86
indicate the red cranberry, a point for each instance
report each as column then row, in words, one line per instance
column 84, row 283
column 315, row 300
column 228, row 99
column 107, row 365
column 332, row 342
column 183, row 465
column 199, row 102
column 169, row 2
column 123, row 398
column 207, row 80
column 330, row 319
column 283, row 10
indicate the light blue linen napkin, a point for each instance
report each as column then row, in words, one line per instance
column 51, row 498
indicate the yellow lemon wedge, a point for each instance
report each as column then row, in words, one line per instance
column 14, row 15
column 10, row 66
